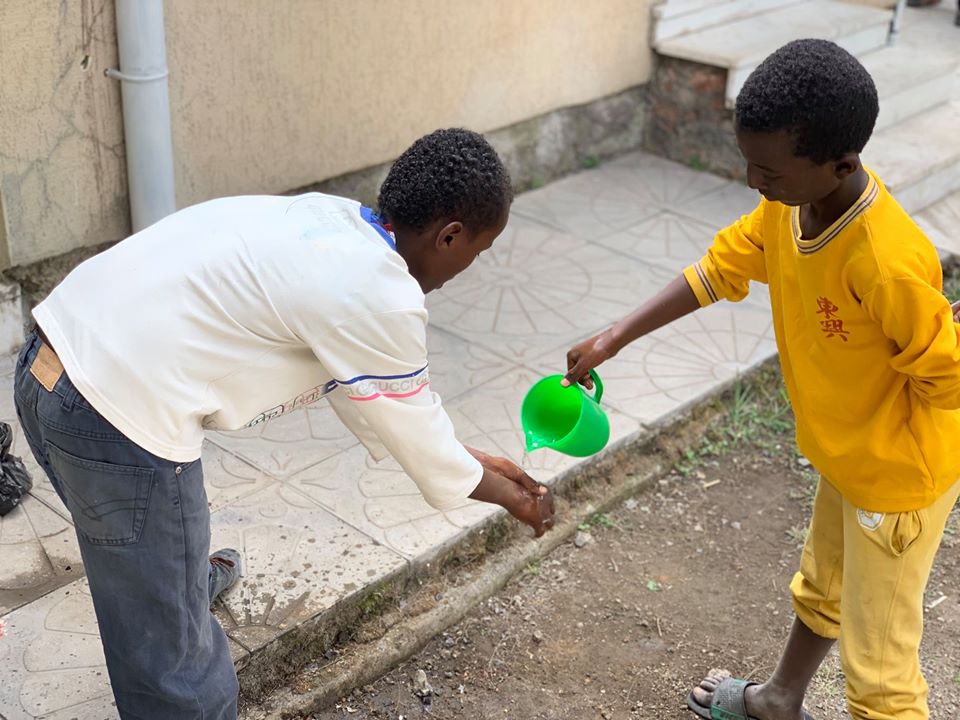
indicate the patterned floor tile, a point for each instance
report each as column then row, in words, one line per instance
column 53, row 661
column 286, row 445
column 588, row 205
column 298, row 561
column 40, row 552
column 457, row 366
column 661, row 182
column 383, row 502
column 666, row 370
column 667, row 239
column 227, row 478
column 721, row 206
column 614, row 196
column 538, row 289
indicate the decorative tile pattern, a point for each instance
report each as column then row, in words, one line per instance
column 661, row 182
column 380, row 500
column 286, row 445
column 666, row 239
column 538, row 289
column 40, row 552
column 298, row 561
column 227, row 478
column 660, row 373
column 588, row 205
column 720, row 207
column 614, row 196
column 457, row 366
column 52, row 660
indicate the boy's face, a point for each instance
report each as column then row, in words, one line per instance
column 453, row 250
column 779, row 175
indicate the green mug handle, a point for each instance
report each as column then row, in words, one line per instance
column 597, row 386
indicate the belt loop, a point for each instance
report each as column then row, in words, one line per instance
column 69, row 396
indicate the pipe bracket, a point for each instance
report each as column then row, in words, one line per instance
column 123, row 77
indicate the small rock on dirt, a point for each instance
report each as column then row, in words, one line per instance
column 421, row 686
column 582, row 538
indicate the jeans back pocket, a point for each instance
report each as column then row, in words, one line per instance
column 108, row 502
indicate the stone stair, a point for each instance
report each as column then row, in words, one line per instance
column 914, row 148
column 749, row 30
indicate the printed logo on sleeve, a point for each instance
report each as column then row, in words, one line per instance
column 360, row 389
column 371, row 387
column 305, row 398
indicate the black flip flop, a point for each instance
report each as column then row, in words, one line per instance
column 727, row 702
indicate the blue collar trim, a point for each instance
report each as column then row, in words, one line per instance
column 377, row 224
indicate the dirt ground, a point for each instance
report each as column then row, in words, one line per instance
column 689, row 575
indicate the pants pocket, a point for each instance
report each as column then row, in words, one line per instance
column 108, row 502
column 906, row 530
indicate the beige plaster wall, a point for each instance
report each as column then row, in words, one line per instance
column 272, row 95
column 62, row 168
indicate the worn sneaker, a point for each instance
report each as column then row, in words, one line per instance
column 224, row 571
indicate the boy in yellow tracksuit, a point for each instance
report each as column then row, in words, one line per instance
column 870, row 351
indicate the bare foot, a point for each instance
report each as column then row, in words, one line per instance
column 763, row 702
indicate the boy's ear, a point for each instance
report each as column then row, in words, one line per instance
column 448, row 233
column 847, row 165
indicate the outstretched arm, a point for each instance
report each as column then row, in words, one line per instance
column 674, row 301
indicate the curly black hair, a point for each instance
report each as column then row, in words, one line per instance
column 818, row 92
column 452, row 173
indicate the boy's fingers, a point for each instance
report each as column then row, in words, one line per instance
column 512, row 471
column 526, row 482
column 576, row 374
column 573, row 360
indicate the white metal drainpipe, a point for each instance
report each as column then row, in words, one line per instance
column 146, row 109
column 895, row 23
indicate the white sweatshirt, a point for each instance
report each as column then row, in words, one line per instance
column 237, row 310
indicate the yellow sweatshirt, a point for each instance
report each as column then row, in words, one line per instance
column 869, row 349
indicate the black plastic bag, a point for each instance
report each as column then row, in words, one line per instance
column 15, row 481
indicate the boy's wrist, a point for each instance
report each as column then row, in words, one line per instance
column 617, row 338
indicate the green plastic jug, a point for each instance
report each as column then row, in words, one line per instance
column 565, row 419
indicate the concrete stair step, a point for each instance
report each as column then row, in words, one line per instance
column 919, row 158
column 742, row 44
column 678, row 17
column 941, row 223
column 910, row 83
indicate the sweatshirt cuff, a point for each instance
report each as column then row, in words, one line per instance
column 697, row 278
column 455, row 495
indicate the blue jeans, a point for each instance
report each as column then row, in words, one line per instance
column 144, row 530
